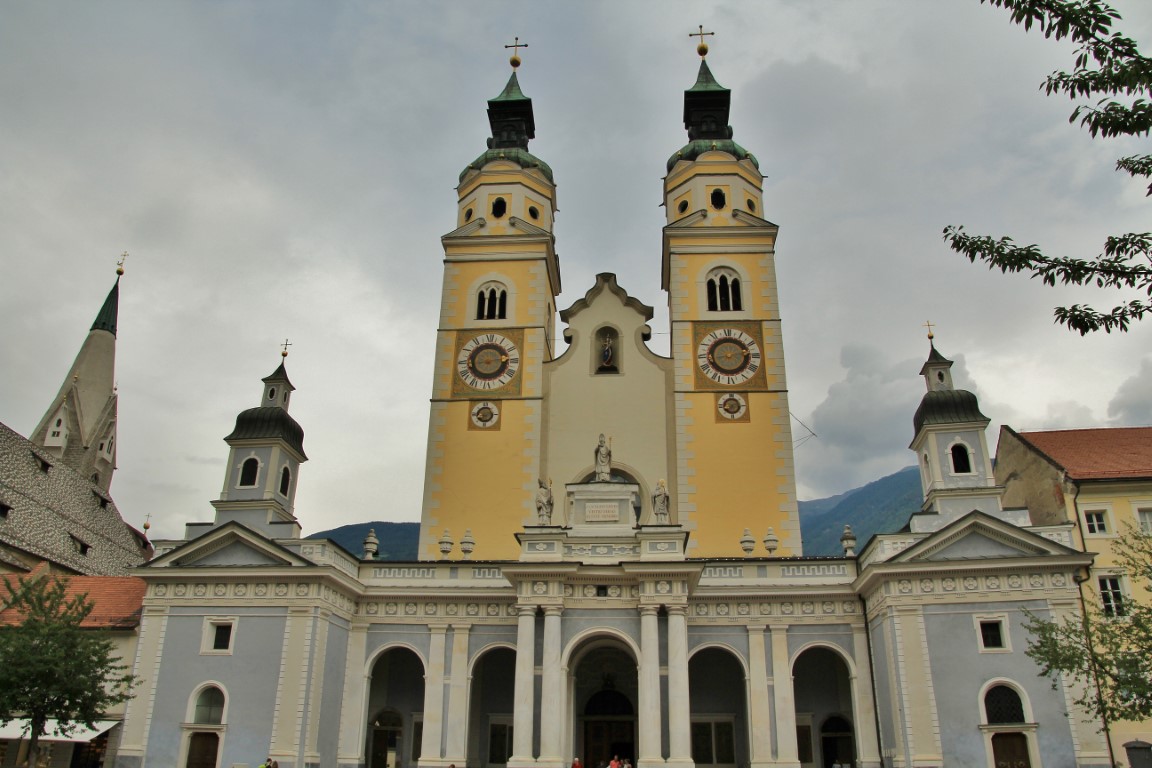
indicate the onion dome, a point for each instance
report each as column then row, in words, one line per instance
column 513, row 125
column 948, row 406
column 269, row 422
column 706, row 108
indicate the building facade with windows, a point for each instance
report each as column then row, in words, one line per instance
column 610, row 560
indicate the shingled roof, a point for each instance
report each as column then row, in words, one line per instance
column 1120, row 453
column 116, row 600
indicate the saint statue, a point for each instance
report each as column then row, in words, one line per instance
column 544, row 503
column 660, row 503
column 606, row 351
column 603, row 461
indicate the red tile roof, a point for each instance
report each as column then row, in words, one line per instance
column 116, row 600
column 1097, row 454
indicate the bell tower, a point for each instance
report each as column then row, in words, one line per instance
column 497, row 308
column 732, row 425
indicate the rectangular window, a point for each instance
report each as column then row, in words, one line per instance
column 804, row 743
column 1111, row 596
column 80, row 546
column 219, row 636
column 1096, row 520
column 499, row 742
column 991, row 634
column 713, row 742
column 417, row 739
column 1144, row 517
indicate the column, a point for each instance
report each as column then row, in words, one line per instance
column 649, row 694
column 433, row 696
column 784, row 698
column 759, row 713
column 679, row 712
column 551, row 698
column 867, row 747
column 525, row 689
column 456, row 749
column 356, row 684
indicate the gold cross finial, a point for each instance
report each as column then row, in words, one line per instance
column 516, row 46
column 931, row 335
column 284, row 348
column 120, row 263
column 147, row 523
column 702, row 48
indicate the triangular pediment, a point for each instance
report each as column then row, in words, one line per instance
column 229, row 545
column 700, row 218
column 977, row 536
column 516, row 225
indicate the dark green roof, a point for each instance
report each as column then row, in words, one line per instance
column 511, row 91
column 106, row 319
column 280, row 374
column 705, row 81
column 521, row 157
column 269, row 422
column 947, row 406
column 694, row 149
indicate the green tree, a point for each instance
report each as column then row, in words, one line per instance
column 1110, row 71
column 1109, row 653
column 50, row 666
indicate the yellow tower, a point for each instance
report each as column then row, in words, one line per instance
column 732, row 429
column 501, row 278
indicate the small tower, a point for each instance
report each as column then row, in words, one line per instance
column 79, row 426
column 266, row 450
column 951, row 447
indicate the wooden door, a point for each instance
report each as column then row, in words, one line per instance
column 1010, row 750
column 202, row 750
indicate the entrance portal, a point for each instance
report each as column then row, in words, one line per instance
column 605, row 693
column 396, row 700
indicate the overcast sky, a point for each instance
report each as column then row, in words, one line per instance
column 287, row 169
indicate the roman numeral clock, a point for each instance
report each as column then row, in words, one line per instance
column 487, row 367
column 729, row 360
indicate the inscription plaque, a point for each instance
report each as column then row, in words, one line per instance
column 602, row 512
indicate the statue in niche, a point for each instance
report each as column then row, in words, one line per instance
column 603, row 461
column 544, row 503
column 607, row 353
column 660, row 503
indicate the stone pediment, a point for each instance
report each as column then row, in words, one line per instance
column 515, row 224
column 699, row 218
column 977, row 536
column 230, row 545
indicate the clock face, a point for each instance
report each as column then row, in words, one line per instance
column 732, row 406
column 488, row 361
column 485, row 415
column 728, row 356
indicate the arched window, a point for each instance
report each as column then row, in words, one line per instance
column 209, row 707
column 1002, row 706
column 285, row 481
column 961, row 462
column 492, row 302
column 724, row 291
column 249, row 471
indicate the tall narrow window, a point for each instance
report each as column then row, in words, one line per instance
column 1111, row 596
column 492, row 302
column 285, row 481
column 961, row 462
column 209, row 706
column 723, row 289
column 249, row 471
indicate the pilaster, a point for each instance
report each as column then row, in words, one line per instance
column 784, row 699
column 524, row 691
column 455, row 750
column 759, row 711
column 551, row 702
column 433, row 697
column 679, row 713
column 353, row 716
column 649, row 723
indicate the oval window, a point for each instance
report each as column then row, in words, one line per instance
column 682, row 207
column 718, row 199
column 533, row 211
column 468, row 215
column 499, row 207
column 752, row 205
column 272, row 393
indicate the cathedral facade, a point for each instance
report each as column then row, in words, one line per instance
column 610, row 556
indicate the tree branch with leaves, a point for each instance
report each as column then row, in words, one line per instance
column 53, row 668
column 1108, row 67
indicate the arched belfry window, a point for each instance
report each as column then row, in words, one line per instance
column 724, row 291
column 285, row 481
column 961, row 461
column 492, row 301
column 248, row 472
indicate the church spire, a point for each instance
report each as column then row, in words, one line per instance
column 79, row 426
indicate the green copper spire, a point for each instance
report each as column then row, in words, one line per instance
column 706, row 108
column 511, row 91
column 106, row 319
column 705, row 81
column 513, row 125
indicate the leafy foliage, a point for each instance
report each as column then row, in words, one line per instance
column 50, row 666
column 1109, row 657
column 1110, row 68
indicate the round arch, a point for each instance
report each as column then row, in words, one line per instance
column 194, row 696
column 582, row 643
column 1025, row 702
column 392, row 646
column 719, row 646
column 484, row 650
column 824, row 644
